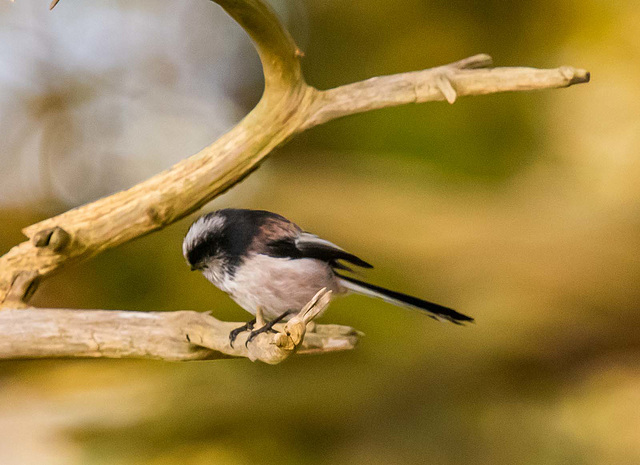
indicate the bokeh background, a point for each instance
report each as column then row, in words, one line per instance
column 522, row 210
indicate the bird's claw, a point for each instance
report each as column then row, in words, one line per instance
column 248, row 326
column 267, row 327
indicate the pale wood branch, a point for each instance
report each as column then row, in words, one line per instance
column 278, row 52
column 177, row 336
column 288, row 106
column 465, row 77
column 188, row 185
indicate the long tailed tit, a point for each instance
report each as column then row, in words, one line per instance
column 262, row 260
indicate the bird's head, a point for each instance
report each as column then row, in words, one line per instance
column 203, row 243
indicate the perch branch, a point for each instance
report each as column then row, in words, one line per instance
column 288, row 106
column 178, row 336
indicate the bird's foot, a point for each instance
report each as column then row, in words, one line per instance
column 248, row 326
column 268, row 327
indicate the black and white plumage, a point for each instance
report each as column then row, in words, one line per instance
column 261, row 259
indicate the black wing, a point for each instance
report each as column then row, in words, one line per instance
column 306, row 245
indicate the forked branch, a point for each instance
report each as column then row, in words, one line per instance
column 288, row 106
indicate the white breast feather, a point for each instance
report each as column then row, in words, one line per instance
column 276, row 284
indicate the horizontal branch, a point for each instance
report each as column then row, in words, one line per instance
column 177, row 336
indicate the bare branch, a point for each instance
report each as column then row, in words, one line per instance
column 278, row 52
column 288, row 106
column 442, row 83
column 178, row 336
column 188, row 185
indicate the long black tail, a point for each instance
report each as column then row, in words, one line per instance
column 397, row 298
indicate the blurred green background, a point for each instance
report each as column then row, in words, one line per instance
column 522, row 210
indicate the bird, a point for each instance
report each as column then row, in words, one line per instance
column 268, row 264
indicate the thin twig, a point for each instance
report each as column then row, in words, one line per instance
column 465, row 77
